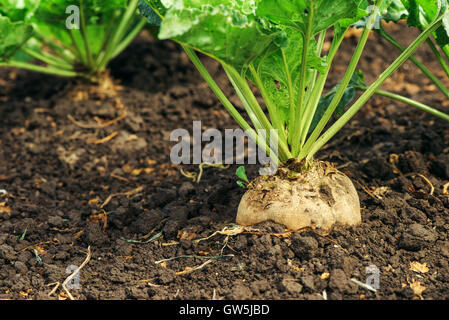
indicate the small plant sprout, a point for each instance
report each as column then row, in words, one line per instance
column 22, row 236
column 278, row 46
column 66, row 38
column 240, row 172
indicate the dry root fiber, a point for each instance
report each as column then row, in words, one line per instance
column 320, row 197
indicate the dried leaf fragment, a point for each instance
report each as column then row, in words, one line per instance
column 325, row 275
column 25, row 293
column 419, row 267
column 380, row 192
column 417, row 287
column 40, row 250
column 136, row 172
column 4, row 208
column 188, row 233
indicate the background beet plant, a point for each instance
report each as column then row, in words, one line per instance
column 34, row 35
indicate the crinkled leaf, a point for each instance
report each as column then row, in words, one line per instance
column 160, row 7
column 19, row 32
column 18, row 10
column 12, row 36
column 227, row 30
column 422, row 12
column 280, row 69
column 395, row 12
column 295, row 13
column 359, row 18
column 147, row 11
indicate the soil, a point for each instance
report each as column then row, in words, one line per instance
column 85, row 168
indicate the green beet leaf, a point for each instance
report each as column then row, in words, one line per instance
column 15, row 26
column 240, row 172
column 151, row 15
column 18, row 10
column 227, row 30
column 298, row 13
column 395, row 12
column 420, row 13
column 13, row 35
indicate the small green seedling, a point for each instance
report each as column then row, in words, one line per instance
column 240, row 172
column 22, row 237
column 154, row 237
